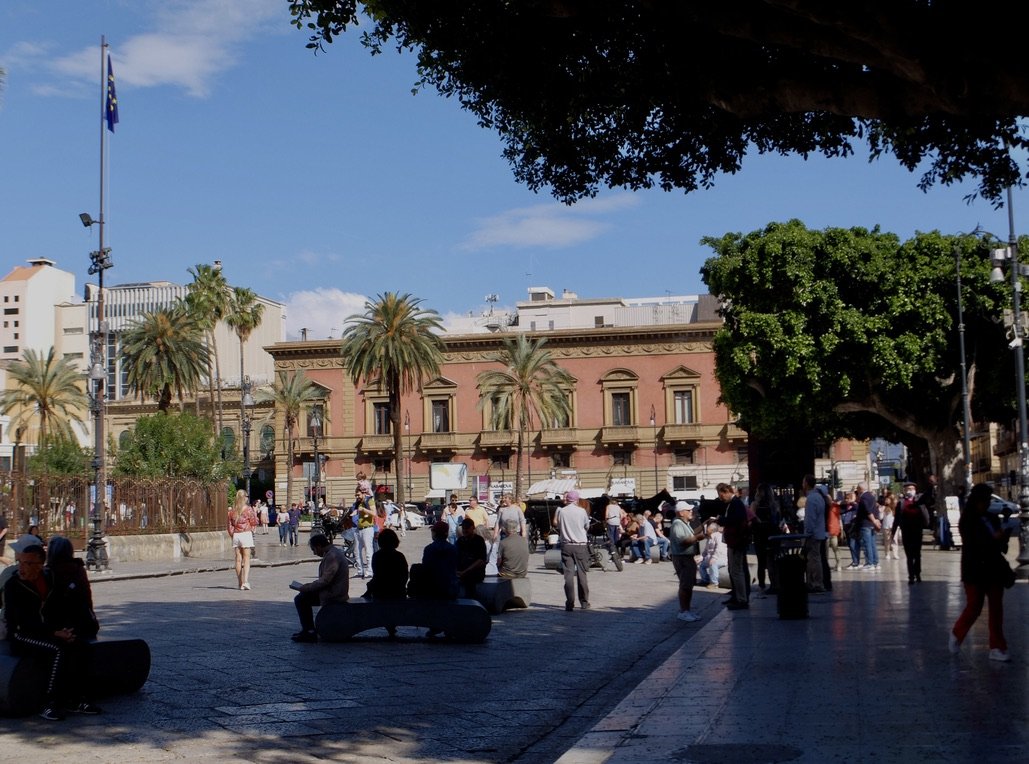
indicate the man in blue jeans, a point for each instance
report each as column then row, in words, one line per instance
column 868, row 523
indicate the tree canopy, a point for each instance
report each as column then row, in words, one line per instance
column 45, row 394
column 174, row 445
column 395, row 343
column 852, row 332
column 163, row 353
column 530, row 387
column 291, row 392
column 627, row 93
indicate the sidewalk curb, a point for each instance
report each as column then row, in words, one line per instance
column 214, row 566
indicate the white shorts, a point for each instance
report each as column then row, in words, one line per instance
column 243, row 540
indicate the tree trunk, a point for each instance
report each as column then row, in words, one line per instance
column 398, row 443
column 780, row 462
column 946, row 458
column 289, row 462
column 217, row 381
column 519, row 462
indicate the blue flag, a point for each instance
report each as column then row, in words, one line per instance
column 112, row 98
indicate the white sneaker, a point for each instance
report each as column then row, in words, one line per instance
column 245, row 587
column 648, row 562
column 688, row 617
column 638, row 561
column 954, row 644
column 999, row 655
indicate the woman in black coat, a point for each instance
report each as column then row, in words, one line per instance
column 984, row 571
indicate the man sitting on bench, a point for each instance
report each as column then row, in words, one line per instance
column 332, row 585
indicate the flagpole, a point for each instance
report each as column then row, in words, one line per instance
column 96, row 549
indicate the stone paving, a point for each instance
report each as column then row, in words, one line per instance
column 866, row 678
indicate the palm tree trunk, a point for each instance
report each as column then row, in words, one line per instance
column 520, row 460
column 210, row 388
column 218, row 380
column 289, row 462
column 394, row 418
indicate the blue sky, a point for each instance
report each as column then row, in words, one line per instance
column 321, row 180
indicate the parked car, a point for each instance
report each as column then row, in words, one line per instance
column 1001, row 506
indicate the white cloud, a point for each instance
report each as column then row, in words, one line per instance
column 194, row 41
column 323, row 312
column 548, row 225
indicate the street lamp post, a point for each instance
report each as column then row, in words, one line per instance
column 1010, row 254
column 653, row 426
column 96, row 548
column 966, row 413
column 246, row 406
column 314, row 421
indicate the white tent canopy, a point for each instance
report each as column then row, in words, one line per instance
column 552, row 486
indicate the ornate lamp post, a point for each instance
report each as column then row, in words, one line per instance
column 96, row 548
column 314, row 421
column 1009, row 254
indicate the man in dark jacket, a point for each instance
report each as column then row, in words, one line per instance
column 332, row 585
column 471, row 557
column 49, row 624
column 736, row 533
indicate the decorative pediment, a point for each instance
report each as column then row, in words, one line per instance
column 681, row 374
column 620, row 375
column 438, row 384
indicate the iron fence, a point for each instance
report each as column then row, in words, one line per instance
column 63, row 505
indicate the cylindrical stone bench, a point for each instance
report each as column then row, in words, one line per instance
column 460, row 620
column 117, row 667
column 498, row 594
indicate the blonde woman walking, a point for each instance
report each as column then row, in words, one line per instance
column 242, row 521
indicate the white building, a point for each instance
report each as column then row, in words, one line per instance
column 544, row 311
column 41, row 310
column 28, row 295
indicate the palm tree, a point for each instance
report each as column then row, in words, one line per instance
column 164, row 352
column 208, row 299
column 290, row 394
column 244, row 315
column 393, row 342
column 46, row 390
column 531, row 386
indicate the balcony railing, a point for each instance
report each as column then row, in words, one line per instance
column 377, row 444
column 678, row 433
column 496, row 439
column 620, row 435
column 559, row 436
column 438, row 441
column 735, row 432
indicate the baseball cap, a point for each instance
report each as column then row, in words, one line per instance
column 572, row 495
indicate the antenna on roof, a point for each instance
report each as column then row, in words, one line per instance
column 492, row 300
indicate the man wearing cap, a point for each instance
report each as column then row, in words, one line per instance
column 912, row 518
column 572, row 522
column 684, row 551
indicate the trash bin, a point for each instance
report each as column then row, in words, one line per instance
column 791, row 571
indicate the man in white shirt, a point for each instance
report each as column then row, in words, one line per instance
column 614, row 516
column 572, row 522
